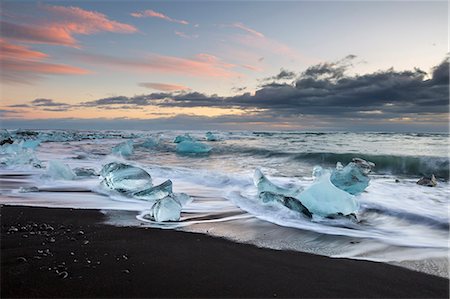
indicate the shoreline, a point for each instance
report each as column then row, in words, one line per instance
column 71, row 253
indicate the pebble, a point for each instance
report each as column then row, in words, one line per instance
column 52, row 240
column 126, row 271
column 63, row 274
column 81, row 232
column 85, row 242
column 21, row 259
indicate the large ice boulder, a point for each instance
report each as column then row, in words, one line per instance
column 323, row 198
column 193, row 147
column 125, row 178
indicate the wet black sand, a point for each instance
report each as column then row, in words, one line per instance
column 70, row 253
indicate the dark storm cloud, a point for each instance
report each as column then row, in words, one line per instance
column 283, row 75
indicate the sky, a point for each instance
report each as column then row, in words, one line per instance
column 225, row 65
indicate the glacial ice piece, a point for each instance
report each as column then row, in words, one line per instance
column 5, row 137
column 124, row 149
column 166, row 209
column 181, row 138
column 125, row 178
column 60, row 171
column 155, row 193
column 14, row 154
column 195, row 147
column 211, row 137
column 28, row 189
column 264, row 185
column 289, row 202
column 149, row 143
column 353, row 177
column 31, row 143
column 323, row 198
column 85, row 172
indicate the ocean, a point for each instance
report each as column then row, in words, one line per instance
column 398, row 221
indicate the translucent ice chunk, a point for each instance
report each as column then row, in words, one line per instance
column 31, row 143
column 211, row 137
column 166, row 209
column 185, row 137
column 353, row 177
column 60, row 171
column 125, row 178
column 15, row 154
column 323, row 198
column 85, row 172
column 196, row 147
column 289, row 202
column 264, row 185
column 149, row 143
column 155, row 193
column 124, row 149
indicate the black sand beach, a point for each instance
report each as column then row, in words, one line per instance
column 70, row 253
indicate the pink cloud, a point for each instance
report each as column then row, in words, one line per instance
column 19, row 52
column 185, row 35
column 201, row 65
column 252, row 67
column 163, row 86
column 247, row 29
column 153, row 14
column 23, row 65
column 58, row 24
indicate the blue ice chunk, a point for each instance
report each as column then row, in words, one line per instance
column 31, row 143
column 188, row 146
column 12, row 154
column 125, row 178
column 124, row 149
column 165, row 209
column 155, row 193
column 60, row 171
column 324, row 199
column 264, row 185
column 353, row 178
column 181, row 138
column 150, row 143
column 211, row 137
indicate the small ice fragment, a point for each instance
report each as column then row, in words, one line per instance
column 85, row 172
column 125, row 178
column 211, row 137
column 317, row 172
column 28, row 189
column 124, row 149
column 193, row 147
column 166, row 209
column 155, row 193
column 59, row 171
column 185, row 137
column 353, row 177
column 323, row 198
column 264, row 185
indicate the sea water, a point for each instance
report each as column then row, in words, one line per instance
column 399, row 221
